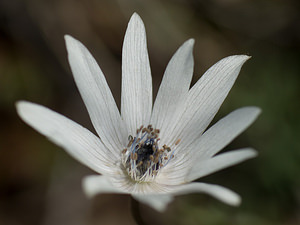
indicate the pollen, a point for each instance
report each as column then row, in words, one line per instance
column 142, row 158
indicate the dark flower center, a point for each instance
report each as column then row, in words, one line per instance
column 143, row 158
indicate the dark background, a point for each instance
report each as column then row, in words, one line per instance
column 41, row 185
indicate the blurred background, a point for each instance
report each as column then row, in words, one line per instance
column 41, row 185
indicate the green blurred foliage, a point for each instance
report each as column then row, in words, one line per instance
column 40, row 184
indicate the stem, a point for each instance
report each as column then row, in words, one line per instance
column 136, row 212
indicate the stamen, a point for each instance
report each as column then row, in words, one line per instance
column 144, row 157
column 130, row 139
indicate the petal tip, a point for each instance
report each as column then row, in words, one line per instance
column 248, row 153
column 236, row 59
column 190, row 42
column 253, row 110
column 135, row 18
column 236, row 201
column 246, row 57
column 252, row 153
column 257, row 110
column 22, row 107
column 231, row 198
column 135, row 14
column 68, row 37
column 242, row 58
column 19, row 104
column 70, row 42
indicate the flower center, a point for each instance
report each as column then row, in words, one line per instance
column 143, row 158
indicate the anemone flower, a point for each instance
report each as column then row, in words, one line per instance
column 150, row 152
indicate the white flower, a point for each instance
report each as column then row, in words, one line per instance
column 152, row 153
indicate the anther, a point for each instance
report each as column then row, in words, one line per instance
column 177, row 142
column 130, row 139
column 124, row 150
column 153, row 148
column 151, row 157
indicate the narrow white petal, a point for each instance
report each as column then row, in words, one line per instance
column 226, row 129
column 211, row 142
column 221, row 193
column 97, row 184
column 158, row 202
column 96, row 96
column 219, row 162
column 136, row 99
column 205, row 98
column 174, row 87
column 223, row 132
column 75, row 139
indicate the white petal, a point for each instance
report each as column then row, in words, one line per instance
column 158, row 202
column 223, row 194
column 174, row 87
column 96, row 96
column 125, row 183
column 205, row 98
column 223, row 132
column 97, row 184
column 211, row 142
column 220, row 162
column 75, row 139
column 136, row 101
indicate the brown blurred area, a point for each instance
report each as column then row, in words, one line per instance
column 41, row 185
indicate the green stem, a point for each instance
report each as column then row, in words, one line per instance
column 136, row 212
